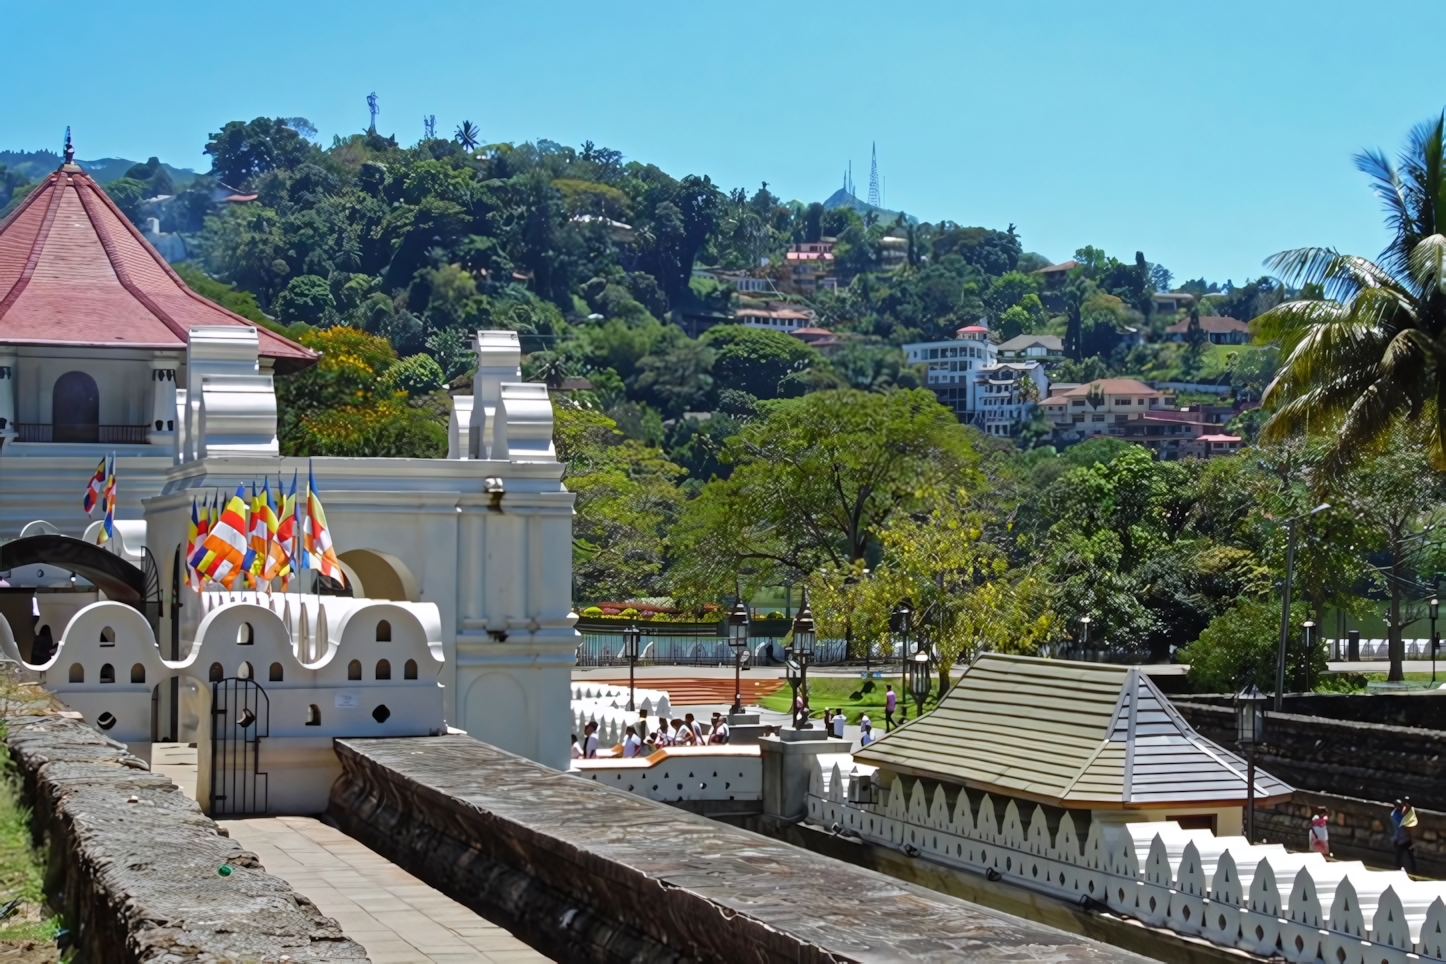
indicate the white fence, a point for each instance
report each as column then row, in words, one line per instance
column 1261, row 899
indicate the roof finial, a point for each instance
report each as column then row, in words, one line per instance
column 69, row 148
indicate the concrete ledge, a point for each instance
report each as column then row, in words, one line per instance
column 139, row 881
column 585, row 872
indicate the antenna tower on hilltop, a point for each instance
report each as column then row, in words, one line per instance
column 429, row 126
column 874, row 198
column 372, row 106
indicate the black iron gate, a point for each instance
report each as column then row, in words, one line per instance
column 240, row 716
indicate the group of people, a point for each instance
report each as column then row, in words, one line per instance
column 679, row 732
column 1403, row 821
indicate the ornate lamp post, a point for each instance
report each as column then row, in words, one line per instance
column 631, row 640
column 738, row 639
column 1085, row 641
column 1250, row 730
column 901, row 620
column 1435, row 640
column 920, row 680
column 804, row 637
column 1309, row 627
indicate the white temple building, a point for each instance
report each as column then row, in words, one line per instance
column 464, row 562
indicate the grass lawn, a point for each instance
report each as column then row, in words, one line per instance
column 21, row 870
column 853, row 695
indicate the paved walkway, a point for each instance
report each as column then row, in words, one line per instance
column 396, row 917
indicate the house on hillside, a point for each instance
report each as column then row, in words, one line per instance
column 1057, row 274
column 1219, row 329
column 1045, row 348
column 948, row 364
column 810, row 267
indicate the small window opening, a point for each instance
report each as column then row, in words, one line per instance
column 384, row 632
column 243, row 671
column 244, row 635
column 107, row 636
column 138, row 673
column 409, row 671
column 217, row 673
column 384, row 669
column 381, row 713
column 313, row 715
column 276, row 672
column 353, row 669
column 107, row 673
column 77, row 673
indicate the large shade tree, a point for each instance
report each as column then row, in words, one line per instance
column 1369, row 351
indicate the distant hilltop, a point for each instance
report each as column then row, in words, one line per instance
column 843, row 199
column 37, row 164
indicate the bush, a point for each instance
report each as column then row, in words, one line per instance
column 592, row 611
column 1241, row 647
column 416, row 375
column 629, row 613
column 305, row 298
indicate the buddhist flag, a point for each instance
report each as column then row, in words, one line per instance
column 219, row 557
column 286, row 532
column 193, row 579
column 94, row 487
column 323, row 556
column 255, row 561
column 107, row 500
column 277, row 563
column 302, row 530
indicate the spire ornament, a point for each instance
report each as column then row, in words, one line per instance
column 69, row 147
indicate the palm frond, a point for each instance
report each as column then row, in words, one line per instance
column 1387, row 184
column 1428, row 264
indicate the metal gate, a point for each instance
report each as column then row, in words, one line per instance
column 240, row 716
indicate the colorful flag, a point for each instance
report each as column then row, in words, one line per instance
column 107, row 500
column 277, row 563
column 94, row 487
column 255, row 561
column 286, row 532
column 193, row 578
column 219, row 557
column 323, row 556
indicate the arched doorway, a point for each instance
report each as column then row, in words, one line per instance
column 75, row 408
column 382, row 575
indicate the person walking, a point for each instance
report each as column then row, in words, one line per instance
column 696, row 727
column 719, row 733
column 828, row 719
column 891, row 701
column 631, row 744
column 1403, row 819
column 1320, row 840
column 840, row 720
column 867, row 735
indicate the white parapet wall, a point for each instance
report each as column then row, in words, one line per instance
column 683, row 774
column 1261, row 899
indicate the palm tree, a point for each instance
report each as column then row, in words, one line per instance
column 468, row 135
column 1365, row 347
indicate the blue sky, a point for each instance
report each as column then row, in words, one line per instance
column 1206, row 135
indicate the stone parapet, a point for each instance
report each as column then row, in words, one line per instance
column 585, row 872
column 137, row 866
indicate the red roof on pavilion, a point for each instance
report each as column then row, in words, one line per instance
column 75, row 271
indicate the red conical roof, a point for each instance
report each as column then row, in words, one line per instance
column 75, row 271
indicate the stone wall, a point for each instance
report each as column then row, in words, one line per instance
column 1369, row 761
column 585, row 872
column 135, row 865
column 1425, row 709
column 1359, row 830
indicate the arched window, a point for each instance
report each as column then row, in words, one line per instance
column 276, row 672
column 313, row 715
column 75, row 408
column 243, row 635
column 353, row 669
column 384, row 669
column 409, row 671
column 138, row 673
column 77, row 673
column 217, row 673
column 384, row 632
column 107, row 636
column 243, row 671
column 107, row 673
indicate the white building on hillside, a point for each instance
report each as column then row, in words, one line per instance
column 966, row 374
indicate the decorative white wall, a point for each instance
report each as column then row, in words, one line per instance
column 1261, row 899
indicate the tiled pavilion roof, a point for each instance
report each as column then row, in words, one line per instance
column 1083, row 735
column 75, row 271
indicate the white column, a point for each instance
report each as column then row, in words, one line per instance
column 162, row 429
column 7, row 395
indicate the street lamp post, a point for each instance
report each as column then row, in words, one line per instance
column 1085, row 643
column 631, row 639
column 1285, row 601
column 804, row 637
column 1435, row 640
column 738, row 639
column 920, row 682
column 900, row 621
column 1309, row 628
column 1250, row 730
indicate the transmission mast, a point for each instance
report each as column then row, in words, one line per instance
column 874, row 199
column 429, row 125
column 372, row 106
